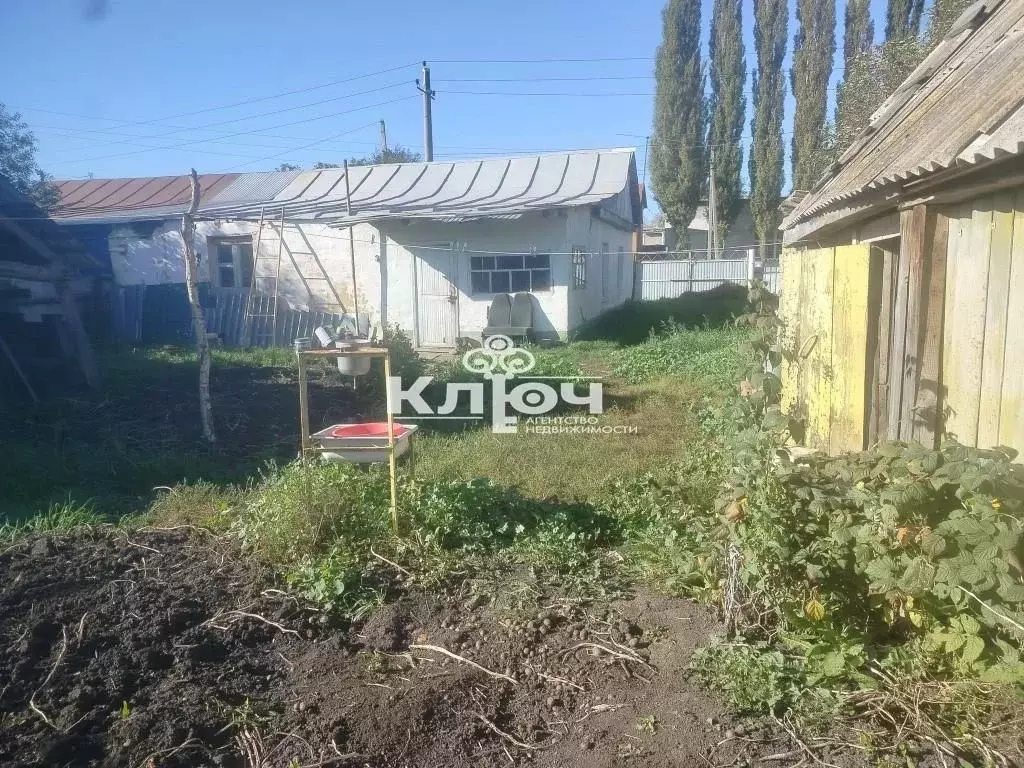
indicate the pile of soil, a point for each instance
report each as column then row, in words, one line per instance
column 166, row 648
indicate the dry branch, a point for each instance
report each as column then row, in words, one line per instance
column 464, row 660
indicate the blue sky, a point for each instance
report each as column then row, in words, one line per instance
column 138, row 87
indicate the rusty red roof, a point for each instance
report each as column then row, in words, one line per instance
column 158, row 196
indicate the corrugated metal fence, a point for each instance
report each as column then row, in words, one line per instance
column 159, row 314
column 669, row 279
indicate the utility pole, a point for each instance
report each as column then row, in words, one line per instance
column 712, row 208
column 383, row 137
column 428, row 124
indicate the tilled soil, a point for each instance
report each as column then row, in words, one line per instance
column 166, row 648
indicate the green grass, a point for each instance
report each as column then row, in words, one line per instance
column 58, row 518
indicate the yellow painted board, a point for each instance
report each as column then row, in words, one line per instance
column 1011, row 407
column 849, row 348
column 959, row 230
column 994, row 342
column 818, row 371
column 967, row 315
column 789, row 314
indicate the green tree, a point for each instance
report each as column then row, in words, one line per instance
column 877, row 72
column 18, row 162
column 813, row 48
column 858, row 39
column 288, row 167
column 903, row 19
column 677, row 147
column 387, row 157
column 728, row 76
column 766, row 151
column 858, row 29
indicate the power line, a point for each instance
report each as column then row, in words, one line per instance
column 543, row 79
column 244, row 102
column 247, row 133
column 542, row 60
column 546, row 93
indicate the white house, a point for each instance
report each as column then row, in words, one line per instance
column 425, row 246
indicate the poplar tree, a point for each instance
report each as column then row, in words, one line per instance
column 766, row 151
column 677, row 151
column 728, row 75
column 858, row 30
column 813, row 48
column 903, row 19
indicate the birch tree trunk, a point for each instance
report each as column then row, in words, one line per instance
column 188, row 229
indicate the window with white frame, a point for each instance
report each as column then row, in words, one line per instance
column 579, row 268
column 231, row 261
column 510, row 273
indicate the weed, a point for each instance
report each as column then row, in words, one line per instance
column 58, row 518
column 647, row 724
column 754, row 679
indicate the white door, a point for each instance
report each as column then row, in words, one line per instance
column 438, row 300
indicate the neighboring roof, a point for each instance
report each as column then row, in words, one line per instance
column 28, row 236
column 448, row 191
column 963, row 106
column 156, row 197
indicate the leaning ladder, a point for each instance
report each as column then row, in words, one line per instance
column 253, row 309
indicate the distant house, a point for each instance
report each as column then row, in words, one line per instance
column 738, row 238
column 43, row 274
column 905, row 264
column 425, row 246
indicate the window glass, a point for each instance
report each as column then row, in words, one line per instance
column 510, row 262
column 520, row 280
column 541, row 279
column 481, row 282
column 227, row 276
column 499, row 282
column 225, row 254
column 538, row 261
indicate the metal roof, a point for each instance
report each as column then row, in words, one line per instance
column 448, row 191
column 962, row 106
column 97, row 200
column 495, row 187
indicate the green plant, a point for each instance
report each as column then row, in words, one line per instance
column 755, row 679
column 58, row 518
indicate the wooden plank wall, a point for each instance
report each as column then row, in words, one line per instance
column 824, row 309
column 983, row 340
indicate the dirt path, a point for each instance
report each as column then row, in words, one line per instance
column 165, row 649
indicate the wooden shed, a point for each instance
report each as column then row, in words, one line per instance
column 904, row 267
column 43, row 342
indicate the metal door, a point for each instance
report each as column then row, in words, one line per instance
column 438, row 297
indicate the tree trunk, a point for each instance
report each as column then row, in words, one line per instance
column 188, row 229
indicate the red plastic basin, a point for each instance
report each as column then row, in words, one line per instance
column 368, row 429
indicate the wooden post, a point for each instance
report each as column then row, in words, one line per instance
column 188, row 229
column 392, row 469
column 79, row 338
column 929, row 404
column 303, row 407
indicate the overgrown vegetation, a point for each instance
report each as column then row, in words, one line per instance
column 883, row 587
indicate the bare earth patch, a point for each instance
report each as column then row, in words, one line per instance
column 165, row 648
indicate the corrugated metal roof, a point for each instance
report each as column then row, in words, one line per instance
column 963, row 106
column 495, row 187
column 133, row 199
column 450, row 191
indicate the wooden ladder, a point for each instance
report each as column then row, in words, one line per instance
column 253, row 309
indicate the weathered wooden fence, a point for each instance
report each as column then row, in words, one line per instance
column 159, row 314
column 669, row 279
